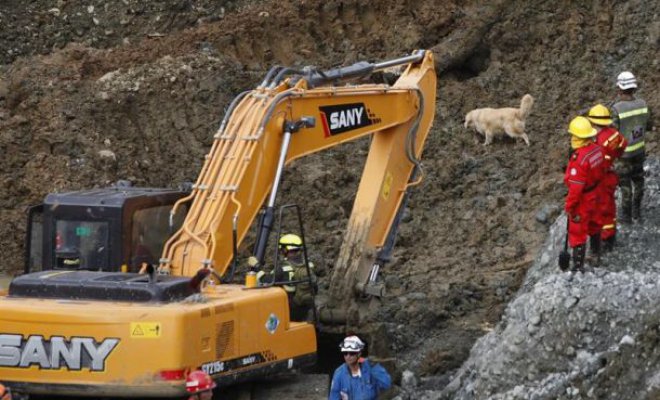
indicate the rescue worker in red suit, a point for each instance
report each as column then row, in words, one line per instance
column 583, row 173
column 613, row 144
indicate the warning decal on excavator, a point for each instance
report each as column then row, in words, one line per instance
column 145, row 330
column 344, row 117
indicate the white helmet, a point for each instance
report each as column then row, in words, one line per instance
column 351, row 344
column 626, row 80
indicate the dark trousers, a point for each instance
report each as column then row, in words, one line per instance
column 631, row 182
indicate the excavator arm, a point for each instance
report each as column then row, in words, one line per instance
column 285, row 119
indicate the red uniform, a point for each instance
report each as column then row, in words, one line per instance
column 613, row 144
column 584, row 171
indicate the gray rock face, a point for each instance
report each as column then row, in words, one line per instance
column 566, row 335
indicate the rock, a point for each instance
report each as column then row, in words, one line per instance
column 570, row 302
column 544, row 214
column 627, row 340
column 535, row 319
column 408, row 380
column 108, row 154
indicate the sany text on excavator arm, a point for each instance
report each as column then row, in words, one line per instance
column 281, row 121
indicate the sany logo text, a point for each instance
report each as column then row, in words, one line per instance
column 56, row 353
column 344, row 117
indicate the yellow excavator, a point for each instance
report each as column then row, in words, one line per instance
column 74, row 328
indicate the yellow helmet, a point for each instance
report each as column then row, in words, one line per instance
column 599, row 115
column 290, row 242
column 581, row 127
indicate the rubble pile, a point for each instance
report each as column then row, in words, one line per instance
column 572, row 335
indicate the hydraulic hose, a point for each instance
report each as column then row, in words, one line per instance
column 230, row 110
column 269, row 75
column 282, row 73
column 412, row 133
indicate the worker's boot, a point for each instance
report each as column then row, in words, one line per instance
column 578, row 257
column 594, row 250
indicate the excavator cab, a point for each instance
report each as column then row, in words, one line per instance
column 112, row 229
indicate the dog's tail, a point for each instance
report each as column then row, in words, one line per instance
column 468, row 119
column 526, row 106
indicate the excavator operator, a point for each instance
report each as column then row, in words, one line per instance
column 293, row 269
column 301, row 295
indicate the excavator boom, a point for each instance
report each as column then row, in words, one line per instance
column 242, row 168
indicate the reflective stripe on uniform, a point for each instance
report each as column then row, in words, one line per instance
column 289, row 276
column 634, row 147
column 610, row 138
column 632, row 113
column 609, row 226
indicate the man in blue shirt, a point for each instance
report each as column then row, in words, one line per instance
column 357, row 378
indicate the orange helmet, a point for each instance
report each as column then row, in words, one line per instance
column 199, row 381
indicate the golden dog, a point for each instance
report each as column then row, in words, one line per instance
column 492, row 121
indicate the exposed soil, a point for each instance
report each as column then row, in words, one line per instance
column 99, row 91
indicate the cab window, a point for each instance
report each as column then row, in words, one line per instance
column 150, row 230
column 81, row 245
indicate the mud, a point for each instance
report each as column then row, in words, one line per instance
column 101, row 91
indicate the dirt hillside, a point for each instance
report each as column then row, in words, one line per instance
column 92, row 92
